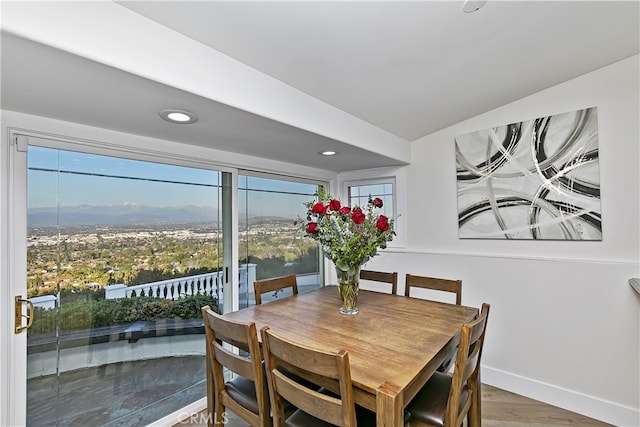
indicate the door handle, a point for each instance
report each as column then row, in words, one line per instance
column 18, row 320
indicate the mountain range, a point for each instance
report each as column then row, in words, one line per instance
column 125, row 214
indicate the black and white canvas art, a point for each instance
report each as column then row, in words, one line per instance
column 536, row 179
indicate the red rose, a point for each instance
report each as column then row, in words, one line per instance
column 345, row 210
column 312, row 228
column 357, row 216
column 334, row 205
column 319, row 208
column 382, row 223
column 377, row 202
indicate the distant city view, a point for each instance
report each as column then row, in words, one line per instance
column 94, row 221
column 91, row 257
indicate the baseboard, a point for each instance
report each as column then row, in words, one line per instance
column 589, row 406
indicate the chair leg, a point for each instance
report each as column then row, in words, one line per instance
column 218, row 417
column 474, row 416
column 210, row 396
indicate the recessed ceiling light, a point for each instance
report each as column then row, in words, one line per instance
column 179, row 116
column 328, row 153
column 471, row 6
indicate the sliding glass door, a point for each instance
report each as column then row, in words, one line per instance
column 121, row 255
column 117, row 257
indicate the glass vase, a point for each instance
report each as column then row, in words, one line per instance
column 348, row 283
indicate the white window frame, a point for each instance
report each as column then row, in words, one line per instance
column 391, row 175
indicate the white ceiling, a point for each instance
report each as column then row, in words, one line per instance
column 366, row 77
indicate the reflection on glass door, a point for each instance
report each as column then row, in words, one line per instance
column 121, row 256
column 270, row 241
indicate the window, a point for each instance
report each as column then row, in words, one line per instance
column 360, row 194
column 385, row 183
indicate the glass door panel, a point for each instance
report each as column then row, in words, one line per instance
column 121, row 256
column 271, row 243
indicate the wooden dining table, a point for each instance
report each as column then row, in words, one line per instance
column 395, row 343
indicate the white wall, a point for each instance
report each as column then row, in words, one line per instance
column 564, row 322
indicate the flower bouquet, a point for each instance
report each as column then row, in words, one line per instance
column 349, row 237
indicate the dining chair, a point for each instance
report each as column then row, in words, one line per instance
column 433, row 283
column 436, row 284
column 330, row 406
column 383, row 277
column 246, row 394
column 272, row 285
column 446, row 399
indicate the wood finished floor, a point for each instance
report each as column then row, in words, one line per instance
column 502, row 408
column 499, row 408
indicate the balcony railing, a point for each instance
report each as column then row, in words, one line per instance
column 203, row 284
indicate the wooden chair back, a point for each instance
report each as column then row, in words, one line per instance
column 221, row 335
column 383, row 277
column 467, row 371
column 261, row 287
column 282, row 355
column 434, row 283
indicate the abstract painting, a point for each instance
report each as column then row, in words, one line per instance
column 537, row 179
